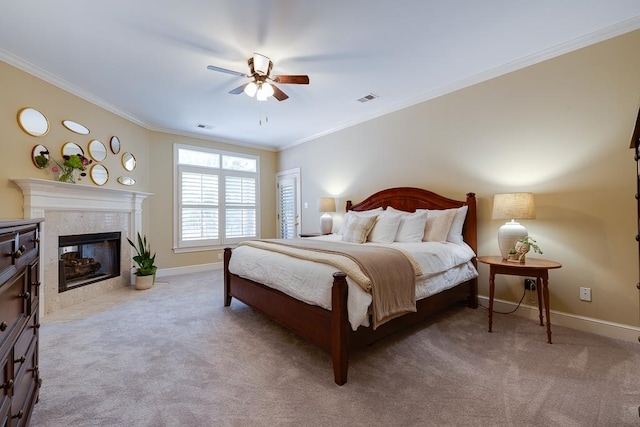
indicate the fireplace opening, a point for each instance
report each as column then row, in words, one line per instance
column 87, row 258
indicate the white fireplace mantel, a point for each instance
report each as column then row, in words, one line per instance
column 42, row 194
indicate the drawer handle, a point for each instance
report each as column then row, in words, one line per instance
column 25, row 295
column 3, row 326
column 21, row 360
column 7, row 385
column 19, row 252
column 19, row 415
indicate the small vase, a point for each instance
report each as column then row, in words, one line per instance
column 66, row 175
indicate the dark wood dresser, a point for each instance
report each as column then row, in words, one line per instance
column 19, row 324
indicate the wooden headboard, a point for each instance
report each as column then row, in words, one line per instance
column 409, row 199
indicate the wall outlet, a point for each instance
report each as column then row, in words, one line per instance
column 530, row 284
column 585, row 294
column 219, row 257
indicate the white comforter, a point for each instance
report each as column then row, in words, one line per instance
column 444, row 265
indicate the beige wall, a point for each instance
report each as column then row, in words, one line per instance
column 153, row 151
column 560, row 129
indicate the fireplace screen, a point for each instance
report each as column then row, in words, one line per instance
column 87, row 258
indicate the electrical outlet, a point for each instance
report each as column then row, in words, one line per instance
column 530, row 284
column 585, row 294
column 219, row 257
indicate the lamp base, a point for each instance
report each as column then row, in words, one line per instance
column 326, row 223
column 508, row 235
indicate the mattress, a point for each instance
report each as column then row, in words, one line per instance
column 444, row 265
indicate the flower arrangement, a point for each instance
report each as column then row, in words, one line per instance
column 70, row 163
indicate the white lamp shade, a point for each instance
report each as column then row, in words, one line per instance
column 261, row 64
column 326, row 204
column 261, row 95
column 267, row 89
column 513, row 206
column 251, row 89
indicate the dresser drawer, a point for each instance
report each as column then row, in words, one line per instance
column 25, row 385
column 13, row 309
column 7, row 261
column 28, row 242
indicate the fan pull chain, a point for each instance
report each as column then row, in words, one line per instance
column 266, row 118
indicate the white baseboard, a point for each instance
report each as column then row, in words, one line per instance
column 175, row 271
column 581, row 323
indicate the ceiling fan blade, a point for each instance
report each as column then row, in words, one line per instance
column 278, row 94
column 239, row 89
column 224, row 70
column 299, row 80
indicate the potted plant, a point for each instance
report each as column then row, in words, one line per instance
column 523, row 245
column 146, row 271
column 530, row 243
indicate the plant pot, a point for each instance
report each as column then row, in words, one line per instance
column 144, row 282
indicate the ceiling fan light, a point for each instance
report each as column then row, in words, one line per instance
column 267, row 89
column 261, row 64
column 251, row 89
column 261, row 95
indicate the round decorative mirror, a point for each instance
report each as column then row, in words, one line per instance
column 70, row 148
column 97, row 150
column 115, row 144
column 40, row 156
column 75, row 127
column 126, row 180
column 33, row 122
column 128, row 161
column 99, row 174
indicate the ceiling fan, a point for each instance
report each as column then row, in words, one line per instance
column 259, row 73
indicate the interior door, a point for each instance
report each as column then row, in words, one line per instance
column 288, row 203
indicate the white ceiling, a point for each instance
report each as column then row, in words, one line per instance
column 146, row 60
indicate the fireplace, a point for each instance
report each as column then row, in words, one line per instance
column 72, row 209
column 84, row 259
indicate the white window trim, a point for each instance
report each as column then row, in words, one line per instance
column 177, row 248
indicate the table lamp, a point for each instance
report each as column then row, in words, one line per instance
column 512, row 206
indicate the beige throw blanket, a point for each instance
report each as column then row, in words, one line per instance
column 385, row 272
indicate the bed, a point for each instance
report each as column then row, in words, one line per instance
column 330, row 327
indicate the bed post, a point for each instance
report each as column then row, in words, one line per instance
column 227, row 282
column 471, row 237
column 339, row 328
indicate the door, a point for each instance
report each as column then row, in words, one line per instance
column 288, row 203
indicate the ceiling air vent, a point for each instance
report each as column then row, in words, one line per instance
column 207, row 127
column 367, row 98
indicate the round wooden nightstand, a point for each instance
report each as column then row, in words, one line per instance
column 532, row 267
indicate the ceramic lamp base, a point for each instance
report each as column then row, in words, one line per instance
column 508, row 235
column 326, row 223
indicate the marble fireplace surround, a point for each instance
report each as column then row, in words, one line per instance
column 79, row 209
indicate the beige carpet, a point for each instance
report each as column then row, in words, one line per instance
column 174, row 356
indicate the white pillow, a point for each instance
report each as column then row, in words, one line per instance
column 438, row 225
column 358, row 228
column 412, row 227
column 385, row 228
column 351, row 214
column 455, row 232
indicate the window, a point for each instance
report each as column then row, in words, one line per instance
column 216, row 200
